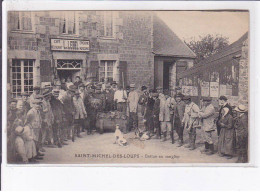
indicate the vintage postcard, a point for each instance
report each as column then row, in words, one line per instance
column 127, row 87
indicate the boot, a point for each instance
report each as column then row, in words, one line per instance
column 207, row 145
column 193, row 139
column 211, row 148
column 180, row 143
column 164, row 137
column 172, row 136
column 157, row 134
column 189, row 143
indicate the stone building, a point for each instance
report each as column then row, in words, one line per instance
column 224, row 73
column 134, row 46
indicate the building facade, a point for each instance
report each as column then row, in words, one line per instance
column 122, row 46
column 224, row 73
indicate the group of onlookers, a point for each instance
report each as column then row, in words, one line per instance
column 51, row 116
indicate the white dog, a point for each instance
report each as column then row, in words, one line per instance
column 120, row 140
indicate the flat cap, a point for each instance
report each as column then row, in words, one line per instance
column 132, row 85
column 186, row 98
column 36, row 88
column 72, row 88
column 223, row 98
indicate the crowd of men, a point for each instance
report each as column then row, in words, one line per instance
column 52, row 116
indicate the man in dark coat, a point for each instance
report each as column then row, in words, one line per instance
column 148, row 115
column 223, row 103
column 241, row 128
column 156, row 112
column 77, row 82
column 58, row 113
column 143, row 99
column 26, row 105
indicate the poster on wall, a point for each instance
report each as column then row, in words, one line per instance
column 205, row 89
column 214, row 89
column 222, row 90
column 229, row 90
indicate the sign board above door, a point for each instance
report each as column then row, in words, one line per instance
column 70, row 45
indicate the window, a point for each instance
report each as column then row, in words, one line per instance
column 22, row 77
column 69, row 64
column 107, row 23
column 21, row 21
column 69, row 23
column 106, row 70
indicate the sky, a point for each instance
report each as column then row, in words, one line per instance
column 189, row 24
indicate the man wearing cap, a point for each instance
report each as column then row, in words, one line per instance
column 101, row 97
column 58, row 114
column 165, row 117
column 34, row 120
column 159, row 90
column 148, row 114
column 223, row 103
column 80, row 113
column 143, row 99
column 26, row 105
column 132, row 103
column 178, row 116
column 110, row 103
column 207, row 116
column 78, row 81
column 47, row 117
column 36, row 91
column 191, row 121
column 69, row 109
column 241, row 128
column 156, row 113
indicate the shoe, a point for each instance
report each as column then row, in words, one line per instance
column 221, row 155
column 187, row 146
column 79, row 136
column 229, row 157
column 51, row 146
column 40, row 154
column 63, row 143
column 42, row 150
column 180, row 144
column 38, row 158
column 33, row 161
column 88, row 133
column 59, row 145
column 65, row 140
column 206, row 149
column 211, row 149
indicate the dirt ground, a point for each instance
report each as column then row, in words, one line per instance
column 100, row 149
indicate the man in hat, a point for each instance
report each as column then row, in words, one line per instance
column 110, row 93
column 159, row 90
column 143, row 99
column 241, row 128
column 58, row 114
column 120, row 98
column 36, row 91
column 77, row 81
column 34, row 120
column 207, row 116
column 69, row 110
column 26, row 105
column 80, row 113
column 47, row 117
column 148, row 114
column 101, row 97
column 191, row 121
column 178, row 116
column 156, row 113
column 132, row 103
column 223, row 103
column 165, row 117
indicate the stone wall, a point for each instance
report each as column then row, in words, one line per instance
column 244, row 76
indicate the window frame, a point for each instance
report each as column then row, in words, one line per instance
column 22, row 72
column 105, row 24
column 76, row 20
column 106, row 70
column 21, row 30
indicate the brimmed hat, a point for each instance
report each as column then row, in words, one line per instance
column 24, row 94
column 127, row 87
column 240, row 108
column 36, row 101
column 55, row 92
column 93, row 87
column 159, row 88
column 13, row 100
column 81, row 85
column 132, row 85
column 87, row 84
column 46, row 93
column 223, row 98
column 36, row 88
column 113, row 83
column 39, row 97
column 186, row 98
column 206, row 99
column 72, row 88
column 177, row 88
column 180, row 95
column 155, row 94
column 143, row 88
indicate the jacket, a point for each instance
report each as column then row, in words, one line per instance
column 68, row 105
column 190, row 118
column 179, row 110
column 34, row 120
column 166, row 105
column 241, row 125
column 133, row 101
column 207, row 117
column 80, row 111
column 57, row 109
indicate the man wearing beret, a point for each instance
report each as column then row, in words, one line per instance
column 69, row 109
column 207, row 115
column 223, row 103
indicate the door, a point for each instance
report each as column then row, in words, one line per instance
column 166, row 75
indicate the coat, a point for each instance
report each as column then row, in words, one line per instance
column 226, row 140
column 30, row 148
column 68, row 105
column 80, row 111
column 190, row 118
column 57, row 109
column 34, row 120
column 47, row 113
column 179, row 111
column 166, row 106
column 241, row 125
column 133, row 99
column 207, row 118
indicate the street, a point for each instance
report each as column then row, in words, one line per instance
column 100, row 149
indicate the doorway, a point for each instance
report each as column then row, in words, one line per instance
column 166, row 75
column 68, row 74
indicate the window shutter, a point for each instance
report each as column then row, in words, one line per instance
column 45, row 70
column 94, row 70
column 123, row 70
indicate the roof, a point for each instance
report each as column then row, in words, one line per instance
column 167, row 43
column 221, row 57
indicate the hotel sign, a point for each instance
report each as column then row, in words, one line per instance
column 69, row 45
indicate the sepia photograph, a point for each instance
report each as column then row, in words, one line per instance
column 127, row 87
